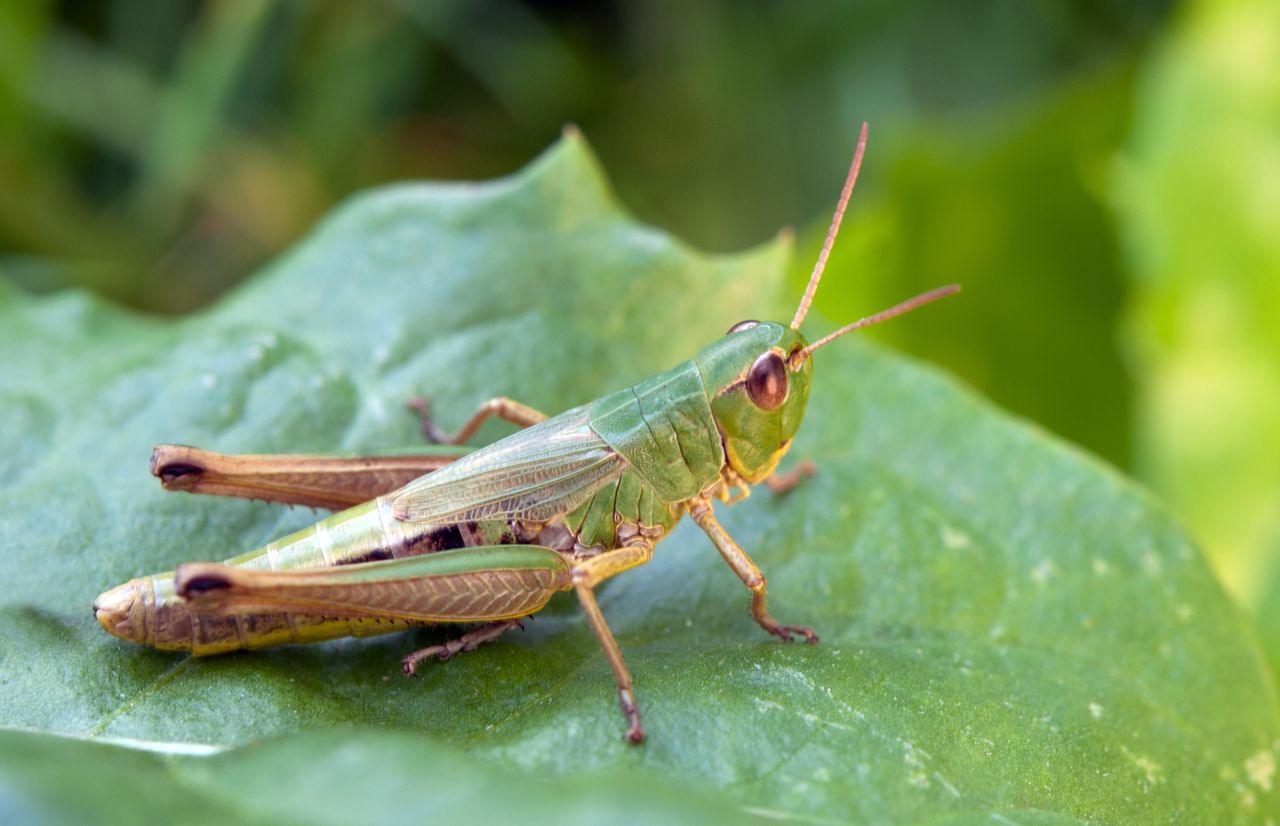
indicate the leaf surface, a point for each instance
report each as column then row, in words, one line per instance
column 1009, row 627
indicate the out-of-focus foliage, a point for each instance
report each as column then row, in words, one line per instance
column 1012, row 216
column 1200, row 197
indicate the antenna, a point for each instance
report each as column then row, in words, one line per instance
column 884, row 315
column 809, row 291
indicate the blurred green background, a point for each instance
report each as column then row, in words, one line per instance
column 1102, row 176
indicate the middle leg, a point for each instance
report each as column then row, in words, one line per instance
column 588, row 574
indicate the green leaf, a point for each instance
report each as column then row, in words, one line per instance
column 1009, row 628
column 331, row 777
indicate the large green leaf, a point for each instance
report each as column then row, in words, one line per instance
column 331, row 777
column 1009, row 628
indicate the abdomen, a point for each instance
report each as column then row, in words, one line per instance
column 148, row 612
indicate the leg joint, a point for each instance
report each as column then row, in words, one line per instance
column 699, row 509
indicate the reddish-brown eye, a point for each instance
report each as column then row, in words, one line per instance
column 767, row 381
column 742, row 325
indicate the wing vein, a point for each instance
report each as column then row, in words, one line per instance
column 536, row 474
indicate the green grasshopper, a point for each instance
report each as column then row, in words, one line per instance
column 488, row 537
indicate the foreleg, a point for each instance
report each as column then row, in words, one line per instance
column 746, row 570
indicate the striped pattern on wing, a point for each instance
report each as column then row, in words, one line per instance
column 534, row 475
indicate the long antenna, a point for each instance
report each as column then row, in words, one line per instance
column 803, row 309
column 884, row 315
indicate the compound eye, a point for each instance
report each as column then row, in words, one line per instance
column 767, row 381
column 742, row 325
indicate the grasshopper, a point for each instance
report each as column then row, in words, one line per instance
column 489, row 536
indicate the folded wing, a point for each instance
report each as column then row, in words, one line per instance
column 533, row 475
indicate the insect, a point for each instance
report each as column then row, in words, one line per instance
column 489, row 536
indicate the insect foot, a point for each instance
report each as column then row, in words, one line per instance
column 785, row 631
column 635, row 732
column 421, row 406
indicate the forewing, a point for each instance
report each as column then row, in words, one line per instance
column 533, row 475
